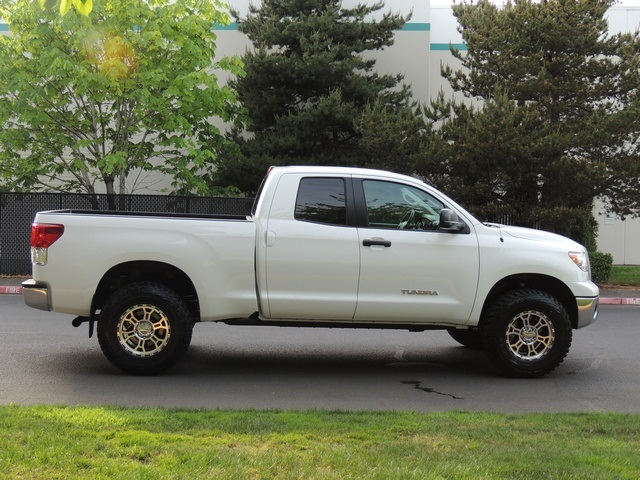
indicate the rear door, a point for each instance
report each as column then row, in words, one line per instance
column 411, row 272
column 312, row 254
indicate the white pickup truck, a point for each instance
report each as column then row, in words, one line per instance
column 323, row 247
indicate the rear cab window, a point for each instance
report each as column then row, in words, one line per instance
column 322, row 200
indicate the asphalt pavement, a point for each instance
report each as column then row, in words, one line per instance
column 44, row 360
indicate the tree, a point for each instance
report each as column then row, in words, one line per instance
column 558, row 124
column 105, row 98
column 392, row 138
column 82, row 6
column 307, row 84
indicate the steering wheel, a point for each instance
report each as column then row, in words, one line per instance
column 407, row 218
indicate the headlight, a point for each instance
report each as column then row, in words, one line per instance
column 581, row 259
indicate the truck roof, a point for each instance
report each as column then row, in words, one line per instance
column 329, row 170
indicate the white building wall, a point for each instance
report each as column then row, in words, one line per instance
column 620, row 238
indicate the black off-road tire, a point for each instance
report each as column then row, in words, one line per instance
column 526, row 333
column 470, row 338
column 144, row 328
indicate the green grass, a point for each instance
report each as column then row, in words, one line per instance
column 625, row 275
column 106, row 442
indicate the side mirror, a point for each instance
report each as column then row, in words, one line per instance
column 449, row 222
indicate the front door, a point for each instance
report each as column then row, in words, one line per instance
column 410, row 272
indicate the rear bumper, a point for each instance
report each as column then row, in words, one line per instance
column 36, row 295
column 587, row 310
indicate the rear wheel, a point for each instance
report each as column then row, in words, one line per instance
column 526, row 333
column 144, row 328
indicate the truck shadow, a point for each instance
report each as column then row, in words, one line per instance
column 204, row 361
column 325, row 351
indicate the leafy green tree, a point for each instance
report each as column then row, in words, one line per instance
column 307, row 83
column 82, row 6
column 559, row 120
column 103, row 99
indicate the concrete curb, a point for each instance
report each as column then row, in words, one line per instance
column 17, row 290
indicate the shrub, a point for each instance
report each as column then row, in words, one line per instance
column 601, row 266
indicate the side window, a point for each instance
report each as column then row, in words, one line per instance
column 398, row 206
column 321, row 200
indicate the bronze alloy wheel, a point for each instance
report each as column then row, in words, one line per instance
column 144, row 330
column 530, row 335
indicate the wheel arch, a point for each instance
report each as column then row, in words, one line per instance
column 147, row 271
column 544, row 283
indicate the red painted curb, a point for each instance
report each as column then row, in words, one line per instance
column 619, row 301
column 610, row 301
column 12, row 290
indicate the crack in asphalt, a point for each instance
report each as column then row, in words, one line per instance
column 418, row 386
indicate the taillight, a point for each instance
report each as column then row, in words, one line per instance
column 43, row 235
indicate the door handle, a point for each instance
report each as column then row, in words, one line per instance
column 380, row 243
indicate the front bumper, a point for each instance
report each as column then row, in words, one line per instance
column 587, row 310
column 36, row 295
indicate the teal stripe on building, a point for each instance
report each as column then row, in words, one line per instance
column 231, row 26
column 408, row 27
column 444, row 47
column 417, row 27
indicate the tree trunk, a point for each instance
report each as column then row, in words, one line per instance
column 111, row 193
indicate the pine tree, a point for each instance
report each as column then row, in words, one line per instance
column 558, row 124
column 307, row 83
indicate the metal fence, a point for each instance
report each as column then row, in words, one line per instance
column 17, row 211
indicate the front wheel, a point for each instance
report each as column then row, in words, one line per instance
column 144, row 328
column 526, row 333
